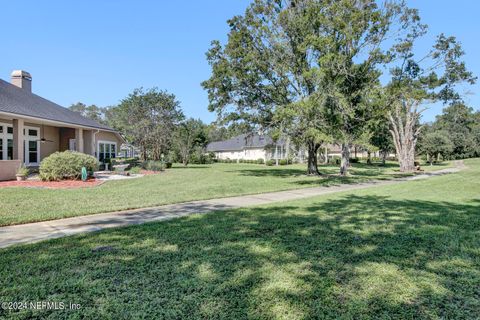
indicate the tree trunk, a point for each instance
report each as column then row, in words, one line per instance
column 369, row 157
column 405, row 133
column 276, row 154
column 384, row 157
column 345, row 159
column 312, row 167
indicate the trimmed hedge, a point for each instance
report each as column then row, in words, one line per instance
column 66, row 165
column 270, row 162
column 258, row 161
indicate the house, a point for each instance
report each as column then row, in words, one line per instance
column 250, row 147
column 32, row 128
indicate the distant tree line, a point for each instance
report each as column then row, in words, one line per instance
column 455, row 134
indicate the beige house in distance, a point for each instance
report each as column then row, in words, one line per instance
column 32, row 128
column 249, row 147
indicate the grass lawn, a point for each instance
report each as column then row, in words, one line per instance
column 410, row 251
column 22, row 205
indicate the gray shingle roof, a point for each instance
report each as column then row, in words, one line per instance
column 241, row 142
column 19, row 101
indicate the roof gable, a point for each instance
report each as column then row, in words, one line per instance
column 241, row 142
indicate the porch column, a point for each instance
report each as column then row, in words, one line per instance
column 94, row 144
column 18, row 137
column 79, row 139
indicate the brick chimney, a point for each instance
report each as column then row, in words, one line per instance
column 22, row 79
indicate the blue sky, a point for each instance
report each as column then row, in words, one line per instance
column 97, row 52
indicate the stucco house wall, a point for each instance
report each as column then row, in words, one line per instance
column 47, row 148
column 8, row 169
column 247, row 154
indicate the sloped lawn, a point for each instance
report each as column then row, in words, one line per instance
column 406, row 251
column 197, row 182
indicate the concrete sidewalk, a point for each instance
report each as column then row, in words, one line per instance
column 34, row 232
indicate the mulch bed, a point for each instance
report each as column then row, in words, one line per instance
column 64, row 184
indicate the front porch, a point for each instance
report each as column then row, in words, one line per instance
column 28, row 142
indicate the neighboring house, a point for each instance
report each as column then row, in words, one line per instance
column 255, row 146
column 249, row 147
column 31, row 127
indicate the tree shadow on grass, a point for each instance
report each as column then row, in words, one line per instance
column 190, row 166
column 280, row 172
column 350, row 257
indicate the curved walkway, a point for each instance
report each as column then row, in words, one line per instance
column 38, row 231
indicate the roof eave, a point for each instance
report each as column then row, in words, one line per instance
column 53, row 122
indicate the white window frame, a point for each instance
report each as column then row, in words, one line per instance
column 27, row 139
column 72, row 144
column 5, row 136
column 106, row 142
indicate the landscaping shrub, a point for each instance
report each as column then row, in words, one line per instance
column 260, row 161
column 168, row 165
column 199, row 157
column 270, row 162
column 335, row 160
column 135, row 170
column 151, row 165
column 66, row 165
column 354, row 160
column 283, row 162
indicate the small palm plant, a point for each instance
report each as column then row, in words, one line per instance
column 22, row 173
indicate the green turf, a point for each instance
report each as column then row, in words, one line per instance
column 404, row 251
column 197, row 182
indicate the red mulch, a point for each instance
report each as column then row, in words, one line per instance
column 64, row 184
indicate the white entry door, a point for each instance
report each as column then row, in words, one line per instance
column 32, row 146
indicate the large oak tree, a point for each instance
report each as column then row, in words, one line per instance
column 305, row 67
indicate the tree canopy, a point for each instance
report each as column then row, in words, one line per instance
column 148, row 119
column 308, row 68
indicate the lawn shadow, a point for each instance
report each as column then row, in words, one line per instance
column 350, row 257
column 190, row 166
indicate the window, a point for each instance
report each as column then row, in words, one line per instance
column 106, row 150
column 31, row 146
column 9, row 149
column 32, row 152
column 6, row 142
